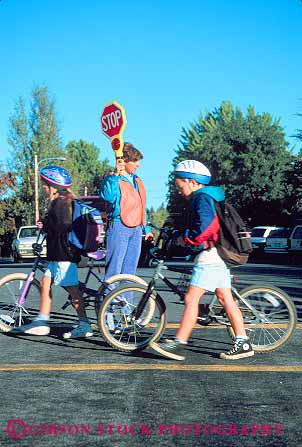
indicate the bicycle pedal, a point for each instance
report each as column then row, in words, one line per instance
column 204, row 320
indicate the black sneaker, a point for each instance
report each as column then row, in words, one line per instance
column 170, row 348
column 240, row 350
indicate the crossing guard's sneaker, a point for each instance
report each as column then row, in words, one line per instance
column 36, row 327
column 240, row 350
column 84, row 330
column 170, row 348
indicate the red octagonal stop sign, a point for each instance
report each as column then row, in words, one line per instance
column 113, row 119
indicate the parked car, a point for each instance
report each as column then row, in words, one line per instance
column 259, row 236
column 295, row 239
column 22, row 244
column 278, row 241
column 288, row 240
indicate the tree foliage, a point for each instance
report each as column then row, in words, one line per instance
column 7, row 186
column 35, row 131
column 85, row 166
column 247, row 156
column 30, row 133
column 294, row 177
column 158, row 217
column 294, row 187
column 298, row 135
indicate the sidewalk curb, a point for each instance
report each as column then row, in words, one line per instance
column 6, row 260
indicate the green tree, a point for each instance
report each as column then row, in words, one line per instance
column 158, row 217
column 30, row 133
column 36, row 132
column 85, row 167
column 7, row 186
column 298, row 135
column 294, row 181
column 294, row 187
column 247, row 156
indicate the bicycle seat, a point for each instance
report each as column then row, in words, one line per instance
column 97, row 255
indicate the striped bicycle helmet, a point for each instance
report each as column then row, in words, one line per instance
column 56, row 176
column 192, row 169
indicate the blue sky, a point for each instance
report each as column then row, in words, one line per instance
column 164, row 61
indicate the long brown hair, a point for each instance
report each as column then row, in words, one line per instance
column 62, row 202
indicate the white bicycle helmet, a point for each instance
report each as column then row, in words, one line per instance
column 193, row 169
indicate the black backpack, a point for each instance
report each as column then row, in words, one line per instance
column 234, row 240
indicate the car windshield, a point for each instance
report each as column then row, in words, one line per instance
column 258, row 232
column 29, row 232
column 284, row 232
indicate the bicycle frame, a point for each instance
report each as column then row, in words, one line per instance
column 91, row 293
column 158, row 275
column 38, row 265
column 151, row 286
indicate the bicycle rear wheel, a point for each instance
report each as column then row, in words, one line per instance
column 119, row 327
column 272, row 319
column 11, row 313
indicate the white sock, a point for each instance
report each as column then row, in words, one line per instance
column 181, row 342
column 241, row 337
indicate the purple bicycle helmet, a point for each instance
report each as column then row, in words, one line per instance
column 56, row 176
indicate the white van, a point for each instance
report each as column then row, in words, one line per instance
column 22, row 244
column 285, row 240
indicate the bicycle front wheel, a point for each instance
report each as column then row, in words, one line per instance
column 118, row 325
column 269, row 316
column 112, row 283
column 11, row 313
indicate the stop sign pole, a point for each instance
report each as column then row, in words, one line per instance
column 113, row 122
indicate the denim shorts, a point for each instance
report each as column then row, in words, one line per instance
column 63, row 273
column 211, row 276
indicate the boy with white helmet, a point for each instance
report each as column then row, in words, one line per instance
column 209, row 272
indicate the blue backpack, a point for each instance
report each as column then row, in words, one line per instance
column 87, row 227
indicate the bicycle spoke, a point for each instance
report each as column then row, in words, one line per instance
column 128, row 333
column 273, row 319
column 11, row 313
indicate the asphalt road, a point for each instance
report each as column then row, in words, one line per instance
column 84, row 393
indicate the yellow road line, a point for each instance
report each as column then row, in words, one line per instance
column 221, row 326
column 214, row 326
column 148, row 367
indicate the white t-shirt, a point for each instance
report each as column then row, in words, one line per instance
column 129, row 177
column 210, row 256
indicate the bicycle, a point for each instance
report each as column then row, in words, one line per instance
column 20, row 292
column 165, row 243
column 268, row 312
